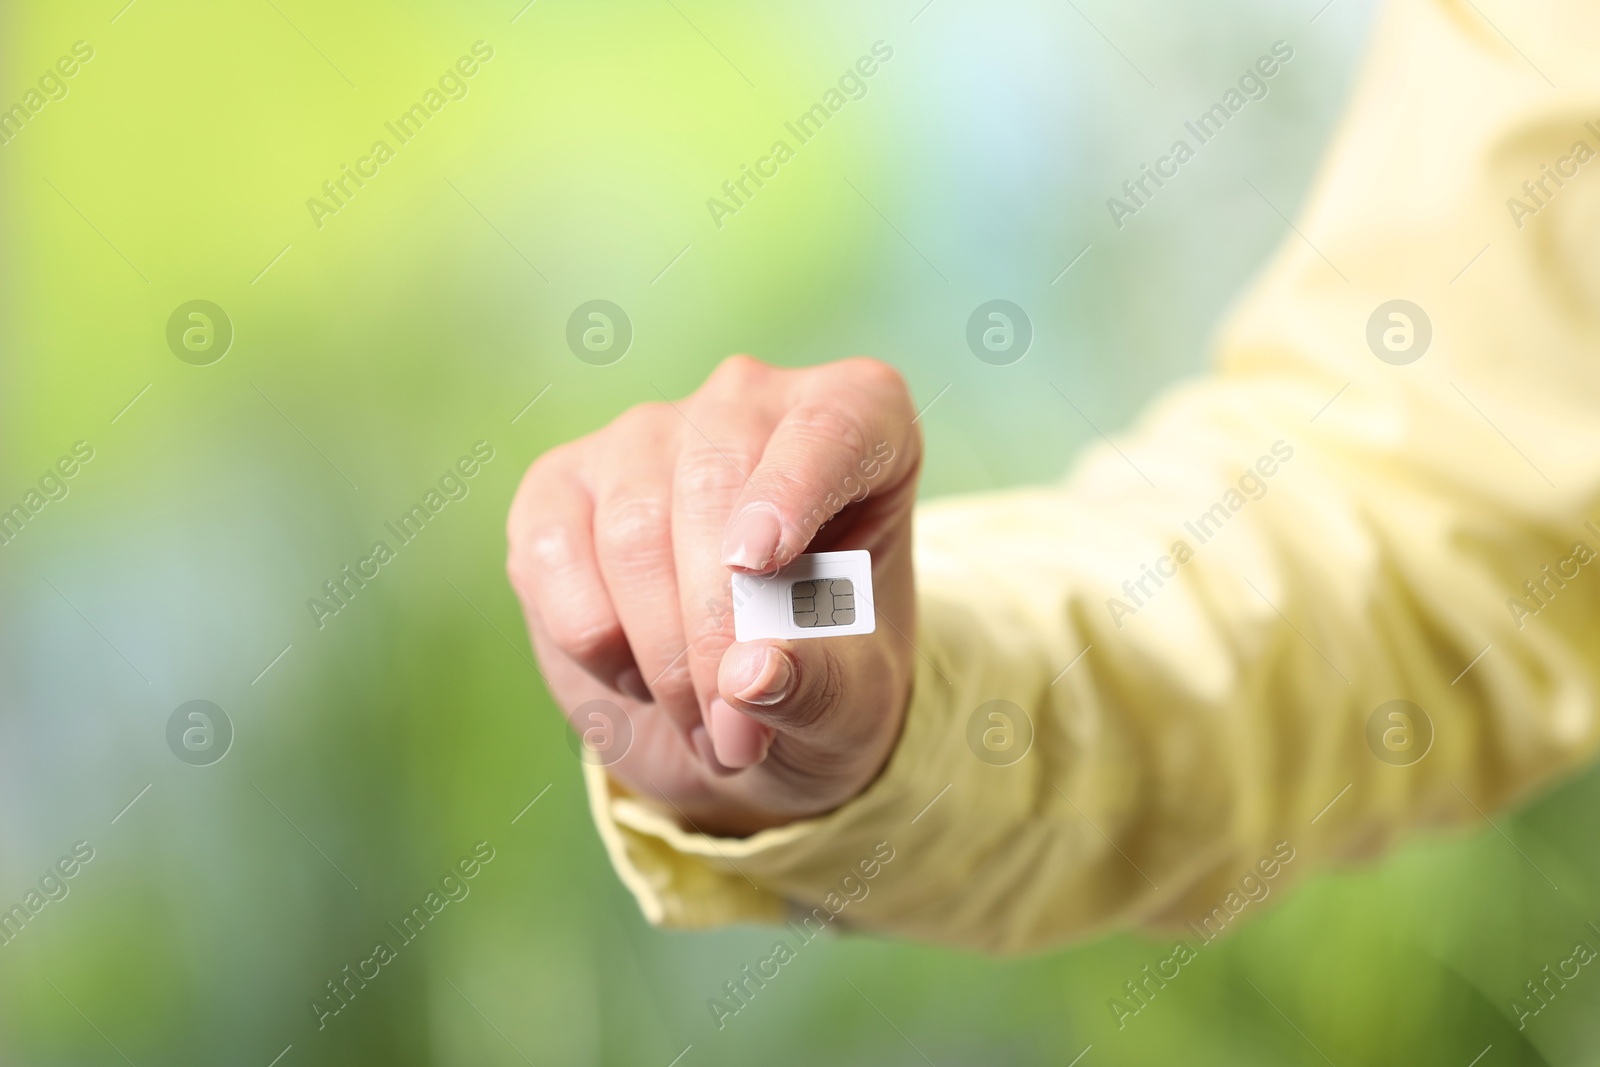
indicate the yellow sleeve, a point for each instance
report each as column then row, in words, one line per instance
column 1206, row 625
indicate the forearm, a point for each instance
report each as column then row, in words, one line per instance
column 1201, row 624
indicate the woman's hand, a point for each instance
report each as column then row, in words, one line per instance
column 622, row 545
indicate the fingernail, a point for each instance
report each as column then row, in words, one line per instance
column 738, row 740
column 752, row 540
column 631, row 683
column 772, row 682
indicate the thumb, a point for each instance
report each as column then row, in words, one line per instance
column 785, row 686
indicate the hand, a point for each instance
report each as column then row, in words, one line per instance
column 622, row 546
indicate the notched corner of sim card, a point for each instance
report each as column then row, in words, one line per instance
column 819, row 594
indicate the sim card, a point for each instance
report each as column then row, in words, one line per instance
column 820, row 594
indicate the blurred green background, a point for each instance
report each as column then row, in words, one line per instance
column 371, row 352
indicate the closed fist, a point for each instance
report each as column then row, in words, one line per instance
column 622, row 546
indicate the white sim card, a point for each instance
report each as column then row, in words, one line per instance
column 821, row 594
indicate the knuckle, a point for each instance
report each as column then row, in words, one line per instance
column 883, row 380
column 876, row 372
column 640, row 419
column 583, row 629
column 562, row 465
column 632, row 528
column 537, row 551
column 708, row 642
column 585, row 636
column 738, row 370
column 704, row 470
column 782, row 483
column 829, row 425
column 536, row 482
column 550, row 547
column 674, row 682
column 546, row 464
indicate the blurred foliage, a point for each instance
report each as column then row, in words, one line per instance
column 372, row 351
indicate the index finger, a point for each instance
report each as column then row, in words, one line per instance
column 727, row 431
column 832, row 447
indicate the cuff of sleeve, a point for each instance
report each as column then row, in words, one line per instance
column 688, row 880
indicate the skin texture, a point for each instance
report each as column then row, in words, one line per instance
column 621, row 547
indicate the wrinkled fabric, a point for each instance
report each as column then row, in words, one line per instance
column 1358, row 531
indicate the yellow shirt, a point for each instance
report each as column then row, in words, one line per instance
column 1306, row 535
